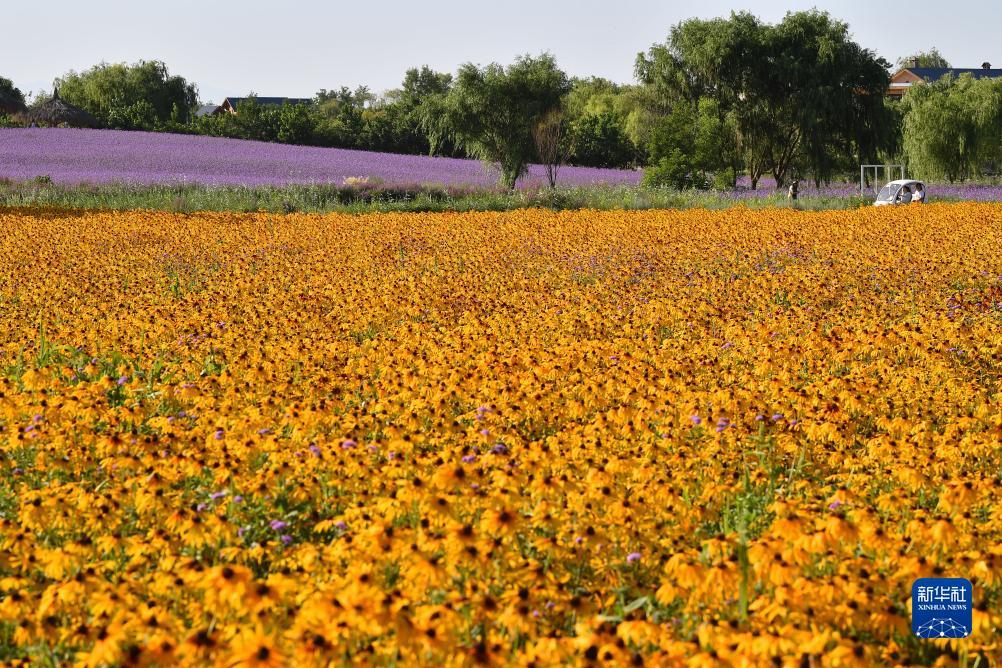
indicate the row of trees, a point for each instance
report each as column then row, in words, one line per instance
column 720, row 98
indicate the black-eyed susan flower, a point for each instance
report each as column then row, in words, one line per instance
column 650, row 438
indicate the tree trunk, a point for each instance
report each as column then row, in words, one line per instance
column 509, row 176
column 781, row 167
column 755, row 172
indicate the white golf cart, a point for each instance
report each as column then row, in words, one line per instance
column 902, row 191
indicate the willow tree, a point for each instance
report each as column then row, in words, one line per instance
column 952, row 127
column 829, row 93
column 803, row 95
column 930, row 58
column 492, row 112
column 108, row 88
column 711, row 60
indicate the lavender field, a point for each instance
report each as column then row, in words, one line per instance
column 70, row 156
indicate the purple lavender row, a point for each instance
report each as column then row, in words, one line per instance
column 104, row 156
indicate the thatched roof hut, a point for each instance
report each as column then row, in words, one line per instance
column 56, row 111
column 10, row 104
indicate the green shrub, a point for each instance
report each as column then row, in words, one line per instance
column 674, row 170
column 137, row 116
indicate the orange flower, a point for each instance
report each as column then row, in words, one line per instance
column 256, row 650
column 671, row 437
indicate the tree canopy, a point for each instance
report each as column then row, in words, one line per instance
column 421, row 83
column 952, row 127
column 799, row 96
column 930, row 58
column 599, row 115
column 492, row 111
column 145, row 91
column 8, row 88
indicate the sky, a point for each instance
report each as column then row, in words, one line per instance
column 293, row 48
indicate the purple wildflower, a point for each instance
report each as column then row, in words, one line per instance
column 632, row 557
column 278, row 525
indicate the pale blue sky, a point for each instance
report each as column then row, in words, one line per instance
column 295, row 47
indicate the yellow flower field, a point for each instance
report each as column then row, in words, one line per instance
column 529, row 438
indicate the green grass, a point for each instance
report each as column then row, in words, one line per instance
column 321, row 198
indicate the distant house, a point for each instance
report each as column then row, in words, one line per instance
column 904, row 78
column 231, row 105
